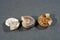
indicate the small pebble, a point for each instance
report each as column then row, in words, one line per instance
column 27, row 21
column 12, row 23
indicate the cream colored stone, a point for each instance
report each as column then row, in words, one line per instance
column 13, row 23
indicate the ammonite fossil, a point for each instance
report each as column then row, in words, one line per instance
column 44, row 20
column 13, row 23
column 27, row 21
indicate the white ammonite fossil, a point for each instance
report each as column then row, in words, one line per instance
column 13, row 23
column 27, row 21
column 45, row 20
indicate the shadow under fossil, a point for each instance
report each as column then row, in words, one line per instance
column 54, row 19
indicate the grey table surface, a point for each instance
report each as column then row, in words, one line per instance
column 17, row 8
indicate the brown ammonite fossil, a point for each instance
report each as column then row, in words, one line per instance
column 44, row 20
column 27, row 21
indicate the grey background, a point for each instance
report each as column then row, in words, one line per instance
column 17, row 8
